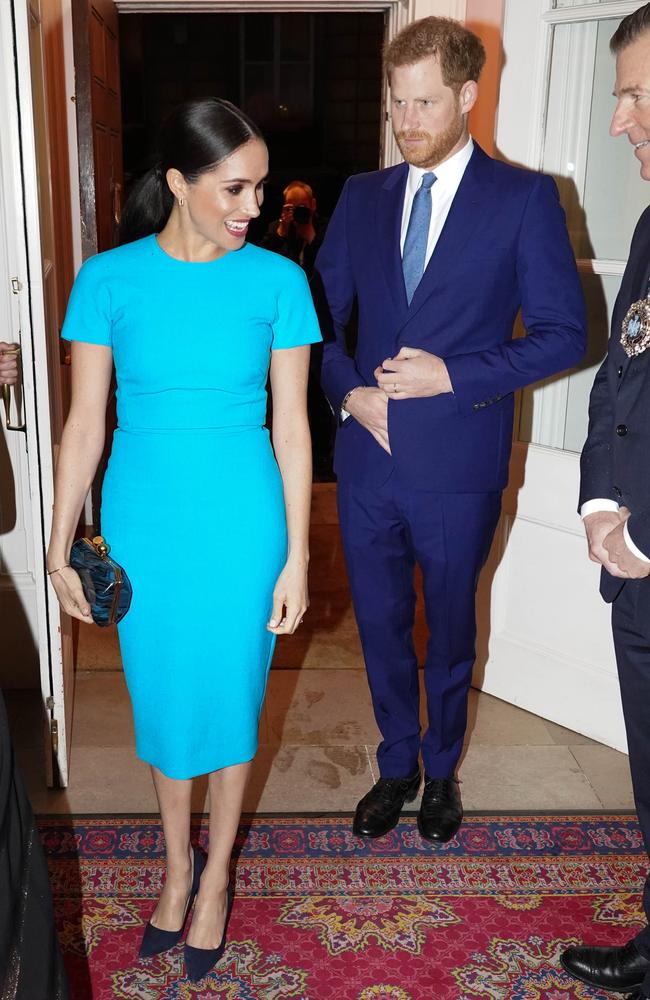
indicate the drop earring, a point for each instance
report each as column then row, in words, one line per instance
column 181, row 202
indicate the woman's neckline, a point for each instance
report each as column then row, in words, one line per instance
column 195, row 263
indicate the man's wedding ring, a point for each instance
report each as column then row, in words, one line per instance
column 395, row 387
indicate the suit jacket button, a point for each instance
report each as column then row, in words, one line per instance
column 620, row 371
column 617, row 493
column 621, row 430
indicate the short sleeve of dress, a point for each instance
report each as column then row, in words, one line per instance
column 88, row 316
column 296, row 323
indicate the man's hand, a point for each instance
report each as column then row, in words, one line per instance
column 8, row 363
column 627, row 564
column 413, row 374
column 598, row 526
column 370, row 407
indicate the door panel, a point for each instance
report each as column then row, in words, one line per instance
column 550, row 644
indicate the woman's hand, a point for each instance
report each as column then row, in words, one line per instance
column 67, row 584
column 290, row 598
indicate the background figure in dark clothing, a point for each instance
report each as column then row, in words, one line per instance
column 299, row 231
column 298, row 234
column 31, row 967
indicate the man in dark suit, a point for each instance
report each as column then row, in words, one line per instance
column 440, row 253
column 615, row 494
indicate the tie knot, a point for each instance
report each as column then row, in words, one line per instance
column 428, row 180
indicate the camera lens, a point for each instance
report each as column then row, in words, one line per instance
column 301, row 214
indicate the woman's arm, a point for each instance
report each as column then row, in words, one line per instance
column 81, row 448
column 292, row 445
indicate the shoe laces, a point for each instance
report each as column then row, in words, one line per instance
column 387, row 788
column 438, row 790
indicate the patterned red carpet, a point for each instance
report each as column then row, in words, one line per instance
column 321, row 914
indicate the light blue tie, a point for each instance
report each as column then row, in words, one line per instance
column 417, row 235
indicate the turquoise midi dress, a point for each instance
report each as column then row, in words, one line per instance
column 192, row 500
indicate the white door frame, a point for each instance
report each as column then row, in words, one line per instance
column 20, row 182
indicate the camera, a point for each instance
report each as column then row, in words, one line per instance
column 301, row 214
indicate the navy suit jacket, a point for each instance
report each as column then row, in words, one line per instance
column 504, row 246
column 615, row 461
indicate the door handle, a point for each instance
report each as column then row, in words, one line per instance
column 6, row 397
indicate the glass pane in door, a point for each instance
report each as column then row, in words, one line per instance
column 602, row 193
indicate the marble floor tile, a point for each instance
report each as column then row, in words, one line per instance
column 496, row 723
column 102, row 711
column 102, row 780
column 567, row 737
column 320, row 707
column 314, row 779
column 524, row 777
column 609, row 774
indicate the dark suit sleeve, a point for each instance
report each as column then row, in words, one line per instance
column 333, row 289
column 596, row 459
column 552, row 306
column 596, row 469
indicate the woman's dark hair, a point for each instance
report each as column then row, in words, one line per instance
column 194, row 138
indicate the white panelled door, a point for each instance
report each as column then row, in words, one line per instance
column 35, row 639
column 550, row 646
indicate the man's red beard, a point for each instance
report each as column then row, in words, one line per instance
column 435, row 148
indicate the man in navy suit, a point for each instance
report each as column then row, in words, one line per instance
column 440, row 253
column 615, row 495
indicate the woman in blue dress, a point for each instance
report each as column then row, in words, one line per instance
column 208, row 518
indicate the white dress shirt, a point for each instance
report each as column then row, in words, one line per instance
column 592, row 506
column 448, row 177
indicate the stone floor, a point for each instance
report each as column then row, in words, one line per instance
column 317, row 752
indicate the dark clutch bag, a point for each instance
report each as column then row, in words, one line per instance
column 106, row 586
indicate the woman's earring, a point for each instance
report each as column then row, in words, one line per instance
column 181, row 202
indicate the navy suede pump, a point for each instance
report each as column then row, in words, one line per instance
column 199, row 961
column 155, row 940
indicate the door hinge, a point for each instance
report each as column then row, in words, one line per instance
column 54, row 730
column 16, row 286
column 49, row 702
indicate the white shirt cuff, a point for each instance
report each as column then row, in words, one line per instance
column 344, row 414
column 632, row 547
column 600, row 504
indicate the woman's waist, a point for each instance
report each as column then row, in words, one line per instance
column 193, row 410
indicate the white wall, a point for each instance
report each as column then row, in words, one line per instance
column 443, row 8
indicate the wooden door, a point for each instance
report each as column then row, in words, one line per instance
column 99, row 122
column 99, row 131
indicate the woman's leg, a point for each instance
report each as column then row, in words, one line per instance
column 174, row 799
column 227, row 788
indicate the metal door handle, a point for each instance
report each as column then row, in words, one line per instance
column 6, row 397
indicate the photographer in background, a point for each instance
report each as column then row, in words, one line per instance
column 299, row 231
column 298, row 234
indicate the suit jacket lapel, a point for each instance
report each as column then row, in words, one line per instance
column 388, row 220
column 638, row 289
column 458, row 228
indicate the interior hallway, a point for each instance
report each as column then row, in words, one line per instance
column 318, row 735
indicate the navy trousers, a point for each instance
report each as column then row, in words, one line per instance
column 386, row 531
column 631, row 629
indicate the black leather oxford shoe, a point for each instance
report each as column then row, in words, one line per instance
column 441, row 811
column 378, row 811
column 617, row 969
